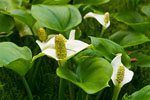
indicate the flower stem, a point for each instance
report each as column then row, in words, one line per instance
column 61, row 89
column 27, row 88
column 71, row 90
column 61, row 63
column 116, row 92
column 102, row 32
column 87, row 97
column 99, row 94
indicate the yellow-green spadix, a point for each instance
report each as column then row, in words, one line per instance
column 121, row 75
column 102, row 19
column 67, row 48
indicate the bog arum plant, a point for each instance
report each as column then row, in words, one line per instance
column 121, row 75
column 102, row 19
column 60, row 48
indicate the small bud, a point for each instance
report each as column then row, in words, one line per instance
column 42, row 35
column 61, row 51
column 106, row 18
column 120, row 74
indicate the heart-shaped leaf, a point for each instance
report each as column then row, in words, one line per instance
column 16, row 58
column 109, row 49
column 143, row 94
column 127, row 38
column 93, row 2
column 59, row 18
column 92, row 75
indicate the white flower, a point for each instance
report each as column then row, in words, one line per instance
column 102, row 19
column 72, row 46
column 121, row 75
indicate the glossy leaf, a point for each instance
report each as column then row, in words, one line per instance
column 23, row 16
column 143, row 94
column 134, row 20
column 93, row 2
column 6, row 24
column 91, row 75
column 142, row 60
column 16, row 58
column 129, row 17
column 81, row 56
column 146, row 10
column 127, row 38
column 10, row 4
column 59, row 18
column 140, row 27
column 109, row 49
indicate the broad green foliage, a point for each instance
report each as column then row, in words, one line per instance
column 10, row 4
column 109, row 49
column 129, row 17
column 16, row 58
column 23, row 16
column 142, row 60
column 80, row 57
column 141, row 27
column 134, row 19
column 50, row 2
column 93, row 2
column 143, row 94
column 127, row 38
column 91, row 75
column 6, row 23
column 146, row 10
column 59, row 18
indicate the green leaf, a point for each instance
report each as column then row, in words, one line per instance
column 93, row 2
column 23, row 16
column 22, row 28
column 142, row 59
column 6, row 24
column 109, row 49
column 140, row 27
column 91, row 75
column 134, row 20
column 16, row 58
column 59, row 18
column 10, row 4
column 81, row 56
column 125, row 97
column 143, row 94
column 127, row 38
column 146, row 10
column 129, row 17
column 50, row 2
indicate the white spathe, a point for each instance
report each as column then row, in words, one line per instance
column 100, row 18
column 128, row 74
column 72, row 46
